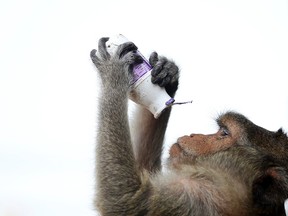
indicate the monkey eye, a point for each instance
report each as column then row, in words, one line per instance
column 224, row 132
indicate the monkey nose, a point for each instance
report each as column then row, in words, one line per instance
column 180, row 139
column 195, row 135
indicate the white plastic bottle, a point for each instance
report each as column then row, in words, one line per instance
column 143, row 92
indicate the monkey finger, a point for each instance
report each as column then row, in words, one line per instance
column 102, row 48
column 175, row 78
column 165, row 81
column 93, row 56
column 138, row 59
column 172, row 81
column 160, row 70
column 159, row 66
column 133, row 58
column 153, row 59
column 172, row 70
column 157, row 79
column 125, row 48
column 166, row 74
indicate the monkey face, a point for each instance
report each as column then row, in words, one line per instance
column 234, row 130
column 188, row 148
column 200, row 144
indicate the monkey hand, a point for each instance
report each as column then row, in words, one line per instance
column 116, row 69
column 165, row 73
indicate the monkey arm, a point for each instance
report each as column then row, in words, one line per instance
column 116, row 166
column 122, row 186
column 148, row 132
column 117, row 175
column 148, row 137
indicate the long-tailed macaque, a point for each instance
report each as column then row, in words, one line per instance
column 240, row 170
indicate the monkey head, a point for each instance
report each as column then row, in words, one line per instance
column 253, row 155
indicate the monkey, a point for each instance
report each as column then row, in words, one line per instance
column 239, row 170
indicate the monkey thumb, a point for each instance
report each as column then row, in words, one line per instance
column 93, row 53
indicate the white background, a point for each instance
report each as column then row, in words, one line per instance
column 232, row 54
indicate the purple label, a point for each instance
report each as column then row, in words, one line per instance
column 170, row 101
column 141, row 69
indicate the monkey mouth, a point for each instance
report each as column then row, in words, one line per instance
column 181, row 149
column 177, row 151
column 180, row 156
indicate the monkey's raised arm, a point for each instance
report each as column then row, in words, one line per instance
column 117, row 173
column 123, row 187
column 149, row 132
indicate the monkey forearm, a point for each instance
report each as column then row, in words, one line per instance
column 116, row 169
column 148, row 140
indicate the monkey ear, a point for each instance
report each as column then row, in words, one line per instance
column 271, row 188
